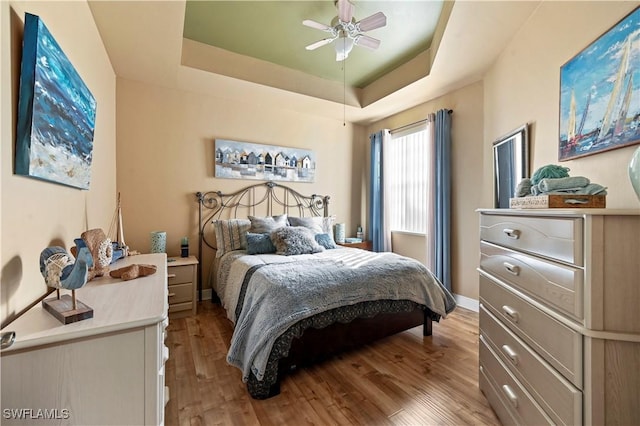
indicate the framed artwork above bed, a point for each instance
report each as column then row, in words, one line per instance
column 244, row 160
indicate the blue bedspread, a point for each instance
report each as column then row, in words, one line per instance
column 274, row 295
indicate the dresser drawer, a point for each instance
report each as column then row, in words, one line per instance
column 559, row 398
column 180, row 293
column 180, row 274
column 493, row 396
column 511, row 392
column 556, row 284
column 555, row 238
column 559, row 345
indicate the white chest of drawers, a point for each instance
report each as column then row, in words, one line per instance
column 560, row 315
column 101, row 371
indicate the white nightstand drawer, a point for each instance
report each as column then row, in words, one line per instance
column 557, row 284
column 180, row 274
column 511, row 392
column 559, row 345
column 179, row 293
column 555, row 238
column 559, row 398
column 178, row 307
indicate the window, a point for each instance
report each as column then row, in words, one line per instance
column 408, row 179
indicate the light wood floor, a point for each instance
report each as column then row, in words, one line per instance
column 404, row 379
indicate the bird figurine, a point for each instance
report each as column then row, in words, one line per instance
column 59, row 271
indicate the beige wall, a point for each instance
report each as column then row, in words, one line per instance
column 37, row 214
column 166, row 154
column 467, row 172
column 523, row 86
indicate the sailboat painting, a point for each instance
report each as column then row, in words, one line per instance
column 56, row 113
column 600, row 93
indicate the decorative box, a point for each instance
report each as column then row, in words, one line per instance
column 559, row 201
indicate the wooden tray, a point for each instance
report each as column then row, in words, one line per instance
column 559, row 202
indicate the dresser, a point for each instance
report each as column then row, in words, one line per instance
column 183, row 279
column 108, row 369
column 560, row 315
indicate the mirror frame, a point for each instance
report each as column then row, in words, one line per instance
column 510, row 164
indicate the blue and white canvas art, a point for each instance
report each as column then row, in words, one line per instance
column 244, row 160
column 600, row 93
column 56, row 113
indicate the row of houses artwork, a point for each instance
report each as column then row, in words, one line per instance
column 244, row 160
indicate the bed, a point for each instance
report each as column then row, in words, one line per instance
column 293, row 296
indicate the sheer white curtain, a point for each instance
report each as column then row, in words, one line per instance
column 407, row 177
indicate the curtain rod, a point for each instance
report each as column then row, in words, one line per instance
column 415, row 123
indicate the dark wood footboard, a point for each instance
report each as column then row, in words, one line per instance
column 318, row 344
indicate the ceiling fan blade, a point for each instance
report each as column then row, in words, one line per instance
column 368, row 42
column 345, row 10
column 316, row 25
column 320, row 43
column 372, row 22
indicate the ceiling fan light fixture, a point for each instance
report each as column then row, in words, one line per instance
column 343, row 46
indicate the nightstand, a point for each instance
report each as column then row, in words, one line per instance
column 365, row 245
column 182, row 278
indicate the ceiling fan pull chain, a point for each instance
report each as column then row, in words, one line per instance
column 344, row 93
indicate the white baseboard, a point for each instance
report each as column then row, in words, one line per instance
column 206, row 294
column 467, row 303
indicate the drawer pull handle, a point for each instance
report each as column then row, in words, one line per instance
column 171, row 275
column 513, row 398
column 512, row 269
column 511, row 233
column 513, row 356
column 172, row 294
column 512, row 313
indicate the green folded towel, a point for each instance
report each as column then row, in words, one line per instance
column 572, row 182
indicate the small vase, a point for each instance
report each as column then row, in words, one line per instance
column 634, row 171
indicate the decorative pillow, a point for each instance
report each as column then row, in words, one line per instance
column 326, row 241
column 231, row 234
column 292, row 240
column 318, row 224
column 263, row 225
column 259, row 244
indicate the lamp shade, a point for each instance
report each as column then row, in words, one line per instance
column 343, row 46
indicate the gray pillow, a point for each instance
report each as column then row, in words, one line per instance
column 259, row 244
column 318, row 224
column 292, row 240
column 265, row 225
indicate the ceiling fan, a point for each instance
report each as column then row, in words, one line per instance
column 346, row 31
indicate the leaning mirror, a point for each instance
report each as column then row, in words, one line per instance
column 510, row 164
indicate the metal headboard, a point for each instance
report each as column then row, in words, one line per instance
column 262, row 199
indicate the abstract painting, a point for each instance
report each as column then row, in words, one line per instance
column 56, row 113
column 244, row 160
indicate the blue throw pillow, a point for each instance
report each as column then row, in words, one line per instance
column 259, row 244
column 325, row 241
